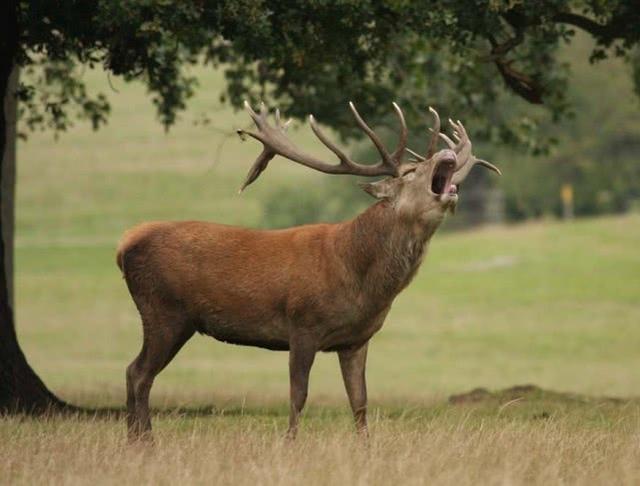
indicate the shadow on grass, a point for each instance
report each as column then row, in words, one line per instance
column 187, row 412
column 518, row 403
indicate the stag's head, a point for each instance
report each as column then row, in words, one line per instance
column 421, row 188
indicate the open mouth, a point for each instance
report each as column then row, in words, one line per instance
column 441, row 180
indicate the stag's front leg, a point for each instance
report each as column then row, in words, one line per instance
column 302, row 352
column 352, row 364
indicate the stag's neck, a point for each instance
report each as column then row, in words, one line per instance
column 383, row 250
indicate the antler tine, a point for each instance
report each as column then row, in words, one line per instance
column 386, row 158
column 257, row 168
column 256, row 120
column 489, row 166
column 418, row 157
column 344, row 160
column 463, row 147
column 254, row 116
column 435, row 132
column 398, row 153
column 462, row 173
column 450, row 143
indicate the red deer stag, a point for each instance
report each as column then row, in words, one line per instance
column 320, row 287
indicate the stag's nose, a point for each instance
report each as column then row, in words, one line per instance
column 447, row 154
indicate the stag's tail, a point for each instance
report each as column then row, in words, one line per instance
column 120, row 256
column 132, row 242
column 128, row 240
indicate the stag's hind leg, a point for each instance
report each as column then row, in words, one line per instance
column 162, row 340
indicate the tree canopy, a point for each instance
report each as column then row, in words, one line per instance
column 463, row 57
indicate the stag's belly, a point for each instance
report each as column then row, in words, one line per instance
column 264, row 342
column 250, row 329
column 272, row 330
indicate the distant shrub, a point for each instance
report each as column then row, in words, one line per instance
column 334, row 199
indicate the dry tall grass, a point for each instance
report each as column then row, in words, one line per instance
column 455, row 445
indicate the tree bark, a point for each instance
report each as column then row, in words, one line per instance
column 8, row 182
column 21, row 390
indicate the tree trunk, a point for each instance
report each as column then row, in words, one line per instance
column 8, row 182
column 21, row 390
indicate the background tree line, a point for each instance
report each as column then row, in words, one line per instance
column 595, row 148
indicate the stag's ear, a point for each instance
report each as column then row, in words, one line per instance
column 384, row 189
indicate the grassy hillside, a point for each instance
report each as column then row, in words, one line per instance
column 549, row 303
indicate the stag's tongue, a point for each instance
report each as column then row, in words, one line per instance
column 452, row 189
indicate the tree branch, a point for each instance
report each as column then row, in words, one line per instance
column 606, row 32
column 521, row 84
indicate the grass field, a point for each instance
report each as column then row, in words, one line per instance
column 546, row 303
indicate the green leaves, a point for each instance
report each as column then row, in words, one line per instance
column 55, row 94
column 474, row 58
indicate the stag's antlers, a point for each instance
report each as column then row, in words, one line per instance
column 276, row 143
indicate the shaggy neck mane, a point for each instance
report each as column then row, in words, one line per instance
column 383, row 250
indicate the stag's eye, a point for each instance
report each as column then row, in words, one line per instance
column 409, row 175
